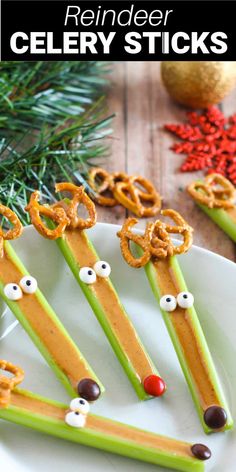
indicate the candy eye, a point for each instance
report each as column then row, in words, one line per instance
column 13, row 292
column 185, row 299
column 28, row 284
column 75, row 419
column 168, row 303
column 87, row 275
column 102, row 268
column 80, row 404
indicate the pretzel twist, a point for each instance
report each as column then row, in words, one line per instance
column 79, row 197
column 156, row 241
column 130, row 191
column 105, row 186
column 132, row 194
column 126, row 235
column 7, row 384
column 182, row 228
column 212, row 196
column 160, row 244
column 57, row 215
column 118, row 177
column 11, row 233
column 64, row 213
column 128, row 196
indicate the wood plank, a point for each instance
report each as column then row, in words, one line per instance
column 140, row 124
column 117, row 142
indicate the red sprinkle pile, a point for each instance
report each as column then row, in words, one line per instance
column 209, row 140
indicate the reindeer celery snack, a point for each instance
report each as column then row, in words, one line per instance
column 92, row 274
column 75, row 423
column 216, row 197
column 158, row 255
column 21, row 293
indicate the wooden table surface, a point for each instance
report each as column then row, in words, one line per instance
column 139, row 145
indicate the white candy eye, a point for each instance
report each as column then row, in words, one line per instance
column 80, row 404
column 168, row 303
column 102, row 268
column 185, row 299
column 13, row 292
column 87, row 275
column 75, row 419
column 28, row 284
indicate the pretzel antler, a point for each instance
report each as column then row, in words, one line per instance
column 215, row 192
column 160, row 245
column 126, row 235
column 156, row 241
column 11, row 233
column 64, row 214
column 79, row 197
column 182, row 228
column 57, row 215
column 7, row 384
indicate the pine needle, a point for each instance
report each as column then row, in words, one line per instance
column 51, row 126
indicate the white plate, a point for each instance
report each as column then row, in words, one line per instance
column 212, row 280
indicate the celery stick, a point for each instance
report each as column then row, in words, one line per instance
column 222, row 218
column 42, row 346
column 177, row 455
column 101, row 315
column 208, row 362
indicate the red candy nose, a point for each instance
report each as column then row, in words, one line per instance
column 154, row 385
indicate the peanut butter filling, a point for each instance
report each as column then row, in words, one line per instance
column 232, row 213
column 20, row 399
column 184, row 329
column 59, row 346
column 118, row 320
column 103, row 425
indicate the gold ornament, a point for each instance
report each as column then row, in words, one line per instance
column 198, row 84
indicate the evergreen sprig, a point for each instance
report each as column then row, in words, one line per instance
column 35, row 93
column 51, row 125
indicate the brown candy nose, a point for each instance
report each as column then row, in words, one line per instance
column 215, row 417
column 89, row 389
column 200, row 451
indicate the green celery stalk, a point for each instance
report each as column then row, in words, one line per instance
column 101, row 316
column 177, row 273
column 98, row 439
column 16, row 310
column 222, row 218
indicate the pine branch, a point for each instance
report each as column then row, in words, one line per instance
column 56, row 155
column 51, row 126
column 32, row 94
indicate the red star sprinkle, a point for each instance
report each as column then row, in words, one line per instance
column 209, row 141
